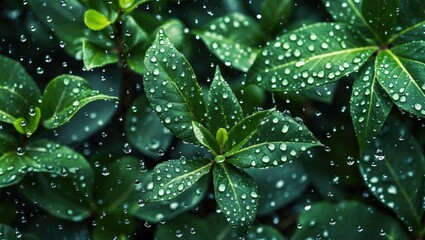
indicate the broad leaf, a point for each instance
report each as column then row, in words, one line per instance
column 116, row 225
column 279, row 186
column 347, row 220
column 18, row 91
column 95, row 56
column 410, row 21
column 171, row 88
column 125, row 3
column 28, row 127
column 116, row 182
column 322, row 93
column 369, row 105
column 311, row 56
column 37, row 156
column 400, row 73
column 95, row 20
column 381, row 16
column 184, row 227
column 65, row 20
column 236, row 195
column 133, row 34
column 64, row 96
column 173, row 177
column 278, row 141
column 47, row 227
column 233, row 38
column 393, row 171
column 275, row 14
column 8, row 233
column 144, row 129
column 243, row 130
column 205, row 137
column 224, row 110
column 159, row 211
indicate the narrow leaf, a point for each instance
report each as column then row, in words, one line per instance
column 236, row 195
column 311, row 56
column 205, row 137
column 393, row 171
column 95, row 56
column 173, row 177
column 369, row 105
column 347, row 220
column 171, row 88
column 18, row 91
column 279, row 140
column 224, row 110
column 381, row 16
column 64, row 96
column 400, row 73
column 95, row 20
column 234, row 39
column 244, row 130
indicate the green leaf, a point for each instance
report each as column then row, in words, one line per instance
column 279, row 186
column 322, row 93
column 280, row 139
column 94, row 56
column 233, row 38
column 393, row 171
column 116, row 225
column 173, row 177
column 275, row 14
column 125, row 3
column 381, row 16
column 28, row 127
column 133, row 34
column 236, row 195
column 64, row 96
column 205, row 137
column 144, row 129
column 37, row 156
column 18, row 91
column 117, row 182
column 311, row 56
column 65, row 21
column 184, row 227
column 171, row 88
column 224, row 110
column 8, row 233
column 156, row 212
column 369, row 105
column 400, row 73
column 95, row 20
column 347, row 220
column 47, row 227
column 259, row 232
column 410, row 21
column 244, row 130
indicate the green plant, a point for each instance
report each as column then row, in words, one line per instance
column 299, row 142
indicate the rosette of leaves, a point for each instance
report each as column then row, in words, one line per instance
column 381, row 40
column 264, row 139
column 23, row 106
column 104, row 32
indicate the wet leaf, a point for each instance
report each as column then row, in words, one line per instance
column 233, row 38
column 8, row 233
column 95, row 20
column 184, row 227
column 224, row 110
column 242, row 132
column 369, row 105
column 393, row 171
column 144, row 129
column 173, row 177
column 275, row 14
column 65, row 20
column 347, row 11
column 18, row 91
column 125, row 3
column 324, row 93
column 278, row 140
column 171, row 88
column 278, row 186
column 400, row 73
column 64, row 96
column 37, row 156
column 236, row 195
column 116, row 225
column 381, row 16
column 410, row 21
column 133, row 34
column 95, row 56
column 205, row 138
column 311, row 56
column 28, row 127
column 165, row 210
column 347, row 220
column 48, row 227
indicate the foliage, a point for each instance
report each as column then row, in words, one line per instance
column 227, row 119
